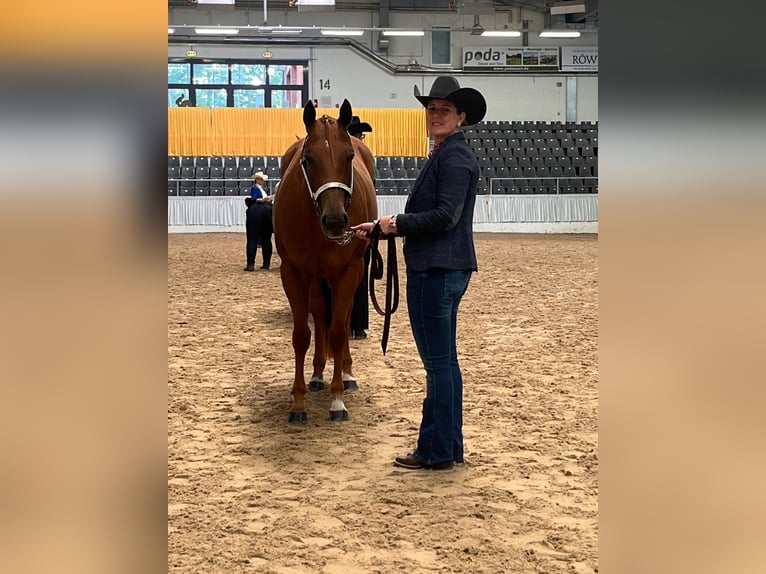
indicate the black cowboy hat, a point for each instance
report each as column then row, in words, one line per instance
column 357, row 127
column 467, row 100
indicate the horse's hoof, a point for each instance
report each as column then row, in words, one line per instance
column 338, row 415
column 316, row 385
column 350, row 385
column 297, row 417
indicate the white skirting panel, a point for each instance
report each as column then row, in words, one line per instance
column 492, row 212
column 221, row 211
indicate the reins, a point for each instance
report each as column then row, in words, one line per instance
column 392, row 279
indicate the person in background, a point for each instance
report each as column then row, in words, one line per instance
column 360, row 312
column 258, row 222
column 437, row 226
column 357, row 128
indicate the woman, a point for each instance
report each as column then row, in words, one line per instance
column 437, row 226
column 258, row 222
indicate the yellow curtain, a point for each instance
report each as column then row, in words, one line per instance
column 270, row 131
column 395, row 131
column 190, row 131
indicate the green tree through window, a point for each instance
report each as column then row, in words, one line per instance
column 246, row 84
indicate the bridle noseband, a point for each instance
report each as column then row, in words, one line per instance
column 349, row 189
column 348, row 235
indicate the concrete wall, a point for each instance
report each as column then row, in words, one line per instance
column 520, row 97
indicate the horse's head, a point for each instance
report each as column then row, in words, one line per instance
column 327, row 164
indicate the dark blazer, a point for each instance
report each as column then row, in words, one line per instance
column 437, row 223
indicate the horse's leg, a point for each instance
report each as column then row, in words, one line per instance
column 297, row 294
column 349, row 381
column 319, row 297
column 343, row 296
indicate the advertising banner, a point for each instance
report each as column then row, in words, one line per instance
column 511, row 59
column 579, row 59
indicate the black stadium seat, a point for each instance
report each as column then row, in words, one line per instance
column 231, row 187
column 202, row 187
column 259, row 162
column 245, row 161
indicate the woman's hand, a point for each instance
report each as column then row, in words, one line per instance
column 363, row 229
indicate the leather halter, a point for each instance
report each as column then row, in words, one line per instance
column 349, row 189
column 348, row 235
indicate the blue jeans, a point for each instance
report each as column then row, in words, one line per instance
column 433, row 298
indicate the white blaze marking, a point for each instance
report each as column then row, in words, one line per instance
column 337, row 405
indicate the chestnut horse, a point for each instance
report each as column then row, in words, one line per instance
column 325, row 186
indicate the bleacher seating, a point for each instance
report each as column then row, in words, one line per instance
column 514, row 157
column 536, row 157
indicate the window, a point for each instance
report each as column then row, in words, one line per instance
column 238, row 83
column 179, row 73
column 211, row 98
column 248, row 74
column 286, row 75
column 441, row 46
column 286, row 99
column 211, row 74
column 249, row 99
column 174, row 94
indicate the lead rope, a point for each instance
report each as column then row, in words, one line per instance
column 392, row 279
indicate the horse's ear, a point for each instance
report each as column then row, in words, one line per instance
column 309, row 114
column 346, row 113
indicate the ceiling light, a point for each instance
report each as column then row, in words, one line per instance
column 227, row 2
column 403, row 33
column 570, row 7
column 502, row 33
column 222, row 31
column 171, row 30
column 341, row 32
column 559, row 34
column 279, row 30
